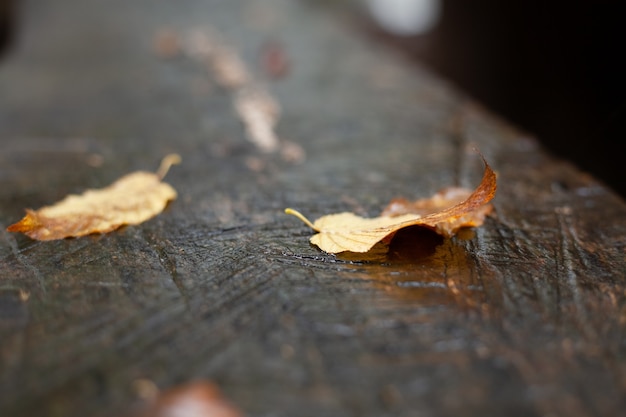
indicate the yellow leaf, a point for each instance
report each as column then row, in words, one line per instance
column 132, row 199
column 349, row 232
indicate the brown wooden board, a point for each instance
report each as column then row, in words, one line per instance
column 525, row 316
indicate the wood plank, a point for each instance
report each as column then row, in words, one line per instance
column 524, row 316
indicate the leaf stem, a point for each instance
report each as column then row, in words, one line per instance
column 301, row 217
column 166, row 164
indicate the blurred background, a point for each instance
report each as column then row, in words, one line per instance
column 554, row 69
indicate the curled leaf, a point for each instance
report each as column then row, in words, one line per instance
column 132, row 199
column 445, row 213
column 448, row 197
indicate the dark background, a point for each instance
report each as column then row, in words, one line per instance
column 554, row 69
column 7, row 18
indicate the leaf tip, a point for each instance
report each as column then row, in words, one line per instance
column 29, row 222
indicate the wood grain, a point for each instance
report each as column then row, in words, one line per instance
column 524, row 316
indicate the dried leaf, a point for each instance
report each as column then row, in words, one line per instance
column 132, row 199
column 446, row 198
column 443, row 213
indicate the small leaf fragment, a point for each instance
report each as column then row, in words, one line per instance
column 130, row 200
column 193, row 399
column 445, row 214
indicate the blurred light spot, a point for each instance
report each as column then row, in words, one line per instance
column 405, row 17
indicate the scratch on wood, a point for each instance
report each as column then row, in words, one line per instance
column 169, row 266
column 17, row 253
column 566, row 267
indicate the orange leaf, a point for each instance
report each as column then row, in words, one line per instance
column 349, row 232
column 132, row 199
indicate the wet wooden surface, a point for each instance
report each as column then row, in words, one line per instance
column 522, row 317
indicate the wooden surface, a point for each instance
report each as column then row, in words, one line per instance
column 525, row 316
